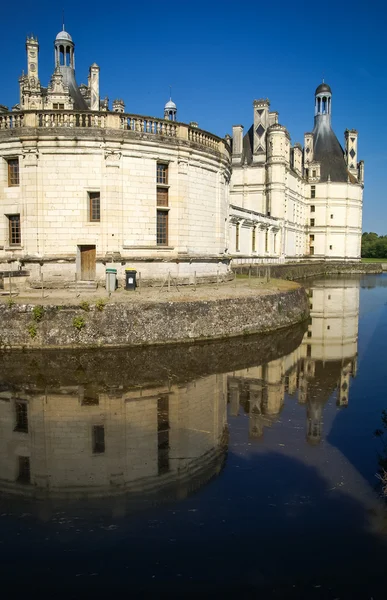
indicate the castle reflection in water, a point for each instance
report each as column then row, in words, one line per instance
column 103, row 425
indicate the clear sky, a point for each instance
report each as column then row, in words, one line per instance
column 220, row 55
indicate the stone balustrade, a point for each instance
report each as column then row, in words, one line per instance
column 109, row 120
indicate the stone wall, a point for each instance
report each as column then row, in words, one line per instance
column 297, row 271
column 150, row 322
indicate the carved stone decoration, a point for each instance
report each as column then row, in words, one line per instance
column 113, row 158
column 30, row 156
column 183, row 167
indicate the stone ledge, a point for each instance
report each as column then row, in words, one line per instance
column 152, row 323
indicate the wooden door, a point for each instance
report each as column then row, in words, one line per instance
column 87, row 263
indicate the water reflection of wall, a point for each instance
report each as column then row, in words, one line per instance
column 323, row 363
column 78, row 441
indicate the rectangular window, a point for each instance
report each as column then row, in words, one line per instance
column 254, row 239
column 162, row 174
column 21, row 409
column 94, row 207
column 90, row 395
column 312, row 191
column 331, row 216
column 309, row 334
column 312, row 222
column 311, row 250
column 311, row 237
column 57, row 106
column 24, row 475
column 266, row 241
column 162, row 196
column 13, row 172
column 313, row 173
column 308, row 350
column 98, row 439
column 162, row 227
column 163, row 434
column 330, row 247
column 313, row 208
column 14, row 232
column 237, row 237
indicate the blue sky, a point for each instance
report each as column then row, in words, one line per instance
column 220, row 55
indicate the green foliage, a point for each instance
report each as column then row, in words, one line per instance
column 32, row 330
column 85, row 305
column 100, row 304
column 38, row 312
column 373, row 245
column 79, row 323
column 11, row 302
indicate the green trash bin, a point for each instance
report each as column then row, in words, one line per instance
column 111, row 280
column 130, row 279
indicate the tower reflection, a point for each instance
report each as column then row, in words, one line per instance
column 323, row 364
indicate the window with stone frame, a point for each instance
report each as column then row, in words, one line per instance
column 312, row 191
column 21, row 416
column 94, row 207
column 14, row 230
column 24, row 470
column 162, row 228
column 237, row 226
column 312, row 221
column 98, row 439
column 162, row 203
column 254, row 239
column 13, row 172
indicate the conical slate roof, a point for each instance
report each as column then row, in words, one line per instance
column 329, row 153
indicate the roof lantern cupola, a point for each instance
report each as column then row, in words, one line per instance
column 64, row 50
column 323, row 101
column 170, row 110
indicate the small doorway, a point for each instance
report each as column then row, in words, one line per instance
column 87, row 262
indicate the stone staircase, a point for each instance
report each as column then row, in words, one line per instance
column 83, row 286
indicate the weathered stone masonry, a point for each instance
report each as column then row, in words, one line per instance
column 151, row 322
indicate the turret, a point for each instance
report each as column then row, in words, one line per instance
column 351, row 151
column 170, row 110
column 261, row 124
column 94, row 86
column 32, row 48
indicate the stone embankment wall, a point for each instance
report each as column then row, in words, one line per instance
column 21, row 325
column 303, row 270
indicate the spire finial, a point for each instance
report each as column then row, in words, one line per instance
column 63, row 27
column 170, row 92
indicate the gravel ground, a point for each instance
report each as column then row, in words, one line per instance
column 239, row 288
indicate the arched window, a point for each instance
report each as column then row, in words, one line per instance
column 61, row 56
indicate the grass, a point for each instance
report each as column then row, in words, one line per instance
column 374, row 260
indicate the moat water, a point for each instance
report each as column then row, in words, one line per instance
column 243, row 469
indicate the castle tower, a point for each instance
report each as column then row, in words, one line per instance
column 170, row 110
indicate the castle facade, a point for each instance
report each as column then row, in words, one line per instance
column 83, row 186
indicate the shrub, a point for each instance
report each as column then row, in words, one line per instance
column 38, row 312
column 85, row 305
column 79, row 323
column 100, row 304
column 32, row 330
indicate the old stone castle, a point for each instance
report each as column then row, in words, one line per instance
column 83, row 185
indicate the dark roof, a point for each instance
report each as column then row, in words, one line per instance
column 329, row 153
column 323, row 87
column 247, row 150
column 69, row 79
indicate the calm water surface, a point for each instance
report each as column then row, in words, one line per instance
column 244, row 468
